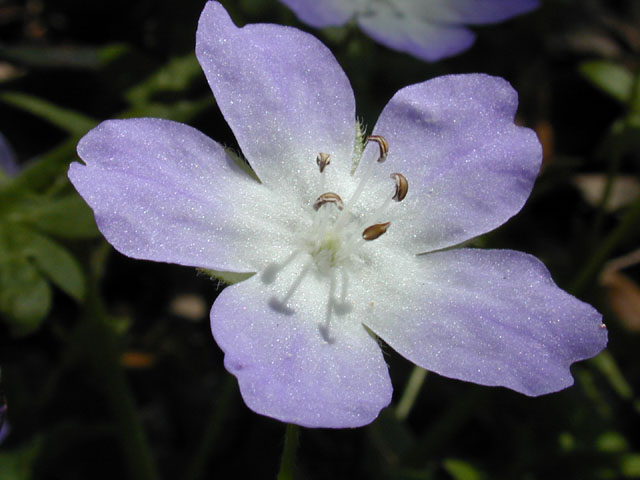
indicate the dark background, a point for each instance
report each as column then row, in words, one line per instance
column 83, row 382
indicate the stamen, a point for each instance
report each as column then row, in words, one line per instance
column 281, row 305
column 322, row 160
column 324, row 328
column 328, row 197
column 273, row 269
column 375, row 231
column 402, row 187
column 384, row 150
column 382, row 144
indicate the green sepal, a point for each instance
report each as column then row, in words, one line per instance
column 226, row 277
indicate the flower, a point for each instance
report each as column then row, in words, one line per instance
column 8, row 165
column 336, row 237
column 427, row 29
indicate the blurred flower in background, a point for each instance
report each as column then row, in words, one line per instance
column 428, row 29
column 8, row 165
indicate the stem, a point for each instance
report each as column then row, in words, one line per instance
column 103, row 355
column 104, row 358
column 611, row 241
column 288, row 463
column 410, row 394
column 211, row 434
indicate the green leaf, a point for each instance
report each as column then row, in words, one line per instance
column 631, row 465
column 65, row 217
column 175, row 76
column 461, row 470
column 67, row 56
column 25, row 296
column 54, row 261
column 608, row 366
column 609, row 77
column 40, row 172
column 181, row 111
column 18, row 464
column 612, row 442
column 68, row 120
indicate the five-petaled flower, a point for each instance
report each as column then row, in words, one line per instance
column 427, row 29
column 348, row 241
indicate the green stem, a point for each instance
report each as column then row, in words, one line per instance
column 219, row 412
column 410, row 394
column 100, row 346
column 104, row 357
column 288, row 463
column 602, row 253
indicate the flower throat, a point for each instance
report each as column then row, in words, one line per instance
column 335, row 235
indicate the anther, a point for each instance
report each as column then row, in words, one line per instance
column 322, row 160
column 402, row 186
column 328, row 197
column 382, row 144
column 375, row 231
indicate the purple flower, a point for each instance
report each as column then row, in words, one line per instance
column 332, row 273
column 8, row 164
column 427, row 29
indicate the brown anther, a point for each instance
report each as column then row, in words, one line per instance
column 322, row 160
column 402, row 186
column 328, row 197
column 382, row 144
column 375, row 231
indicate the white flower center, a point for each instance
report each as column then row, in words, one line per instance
column 336, row 237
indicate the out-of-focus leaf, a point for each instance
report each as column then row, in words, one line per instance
column 179, row 111
column 175, row 76
column 65, row 217
column 461, row 470
column 624, row 298
column 38, row 174
column 610, row 77
column 138, row 360
column 612, row 442
column 624, row 190
column 390, row 437
column 53, row 260
column 404, row 473
column 566, row 441
column 544, row 130
column 25, row 297
column 63, row 56
column 68, row 120
column 26, row 258
column 189, row 306
column 10, row 72
column 18, row 464
column 609, row 368
column 630, row 465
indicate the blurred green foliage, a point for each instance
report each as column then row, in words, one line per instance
column 108, row 368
